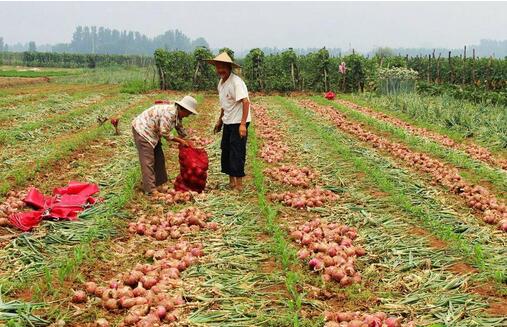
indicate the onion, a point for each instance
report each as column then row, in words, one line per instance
column 113, row 284
column 344, row 316
column 99, row 291
column 127, row 303
column 79, row 297
column 316, row 264
column 139, row 290
column 140, row 300
column 148, row 282
column 392, row 322
column 131, row 319
column 101, row 322
column 139, row 310
column 303, row 254
column 111, row 304
column 161, row 311
column 355, row 323
column 198, row 252
column 90, row 287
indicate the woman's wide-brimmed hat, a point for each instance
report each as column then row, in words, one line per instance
column 223, row 57
column 189, row 103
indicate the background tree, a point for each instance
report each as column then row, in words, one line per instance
column 204, row 75
column 253, row 69
column 31, row 46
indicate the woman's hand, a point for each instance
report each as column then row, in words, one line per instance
column 242, row 130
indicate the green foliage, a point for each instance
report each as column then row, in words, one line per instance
column 282, row 72
column 477, row 94
column 253, row 69
column 137, row 87
column 16, row 73
column 318, row 71
column 204, row 75
column 396, row 80
column 72, row 60
column 315, row 70
column 175, row 69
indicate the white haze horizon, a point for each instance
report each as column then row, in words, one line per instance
column 246, row 25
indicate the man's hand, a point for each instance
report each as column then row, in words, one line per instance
column 242, row 130
column 218, row 126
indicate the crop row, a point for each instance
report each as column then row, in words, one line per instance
column 493, row 211
column 475, row 151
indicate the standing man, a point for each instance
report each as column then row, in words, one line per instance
column 234, row 118
column 149, row 127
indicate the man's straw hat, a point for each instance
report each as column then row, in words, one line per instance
column 223, row 57
column 188, row 103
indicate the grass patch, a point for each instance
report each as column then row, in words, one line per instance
column 32, row 74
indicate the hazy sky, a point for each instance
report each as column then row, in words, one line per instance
column 245, row 25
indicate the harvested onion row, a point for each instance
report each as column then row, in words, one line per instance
column 273, row 148
column 357, row 319
column 292, row 175
column 171, row 196
column 473, row 150
column 143, row 292
column 315, row 197
column 477, row 197
column 200, row 142
column 173, row 225
column 329, row 248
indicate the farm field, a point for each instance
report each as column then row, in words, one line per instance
column 364, row 210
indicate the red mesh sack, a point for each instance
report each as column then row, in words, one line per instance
column 193, row 170
column 330, row 95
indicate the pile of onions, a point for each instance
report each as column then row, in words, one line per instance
column 273, row 151
column 143, row 292
column 315, row 197
column 357, row 319
column 473, row 150
column 273, row 148
column 292, row 175
column 477, row 197
column 173, row 225
column 329, row 248
column 171, row 196
column 200, row 142
column 12, row 204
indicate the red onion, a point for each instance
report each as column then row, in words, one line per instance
column 79, row 297
column 392, row 322
column 90, row 287
column 161, row 311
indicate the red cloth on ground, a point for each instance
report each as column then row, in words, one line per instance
column 193, row 170
column 66, row 203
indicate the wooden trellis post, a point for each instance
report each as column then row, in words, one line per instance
column 473, row 66
column 451, row 68
column 464, row 65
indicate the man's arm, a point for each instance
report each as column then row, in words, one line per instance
column 218, row 125
column 244, row 116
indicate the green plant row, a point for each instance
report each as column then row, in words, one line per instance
column 318, row 71
column 72, row 60
column 56, row 152
column 281, row 246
